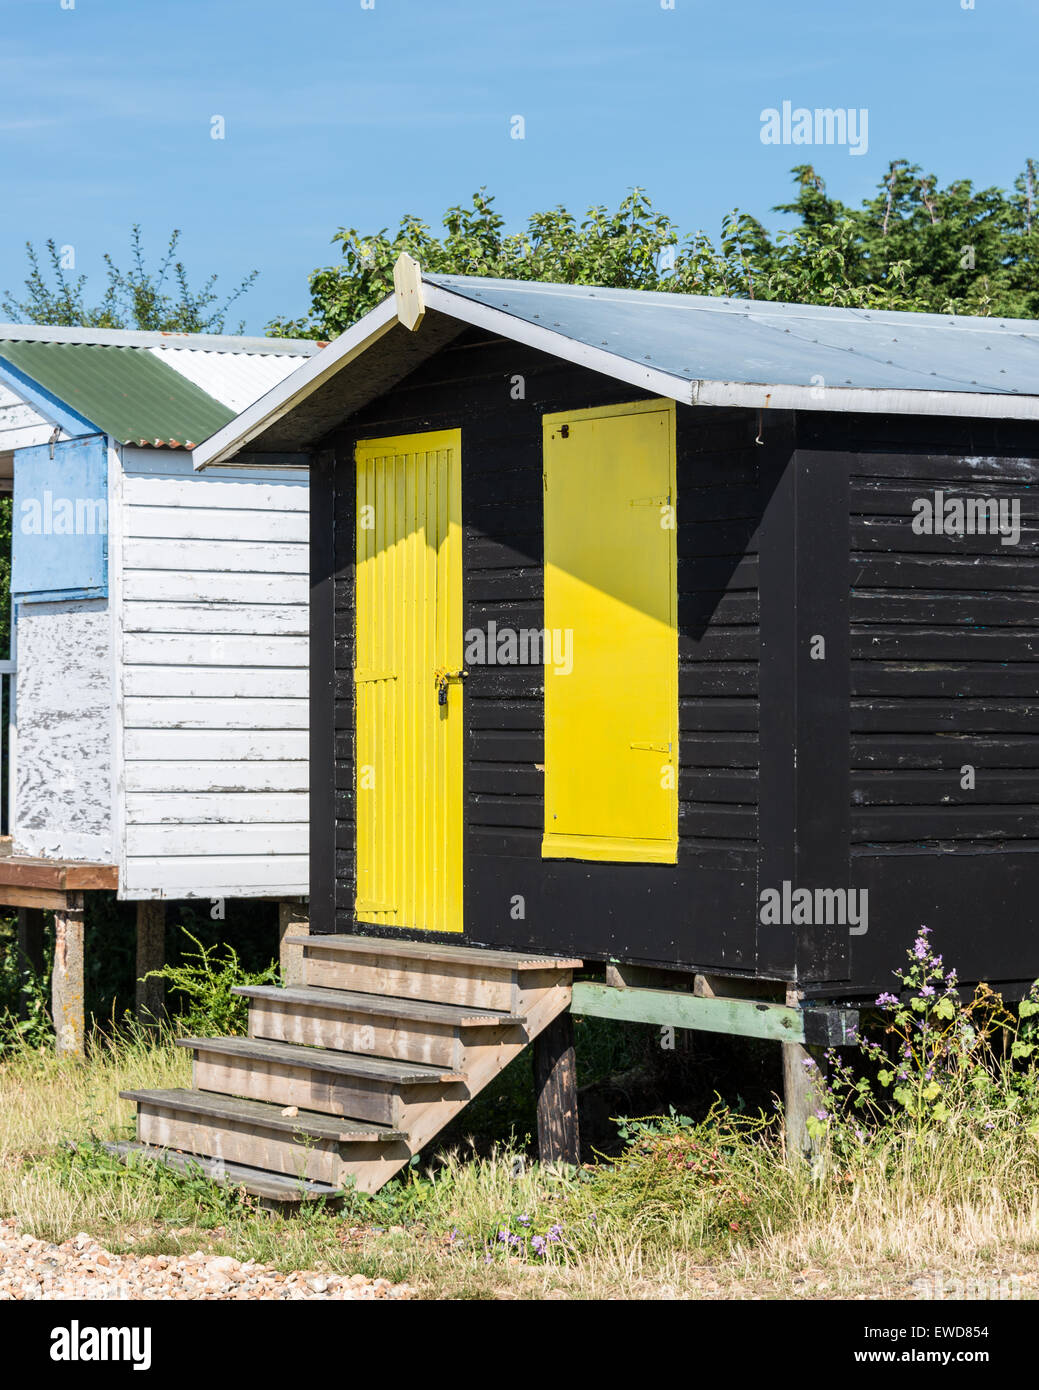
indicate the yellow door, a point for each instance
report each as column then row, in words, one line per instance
column 407, row 682
column 611, row 710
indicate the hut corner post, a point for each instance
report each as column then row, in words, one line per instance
column 555, row 1084
column 293, row 920
column 150, row 994
column 67, row 1008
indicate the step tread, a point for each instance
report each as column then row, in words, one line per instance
column 428, row 950
column 385, row 1005
column 277, row 1186
column 214, row 1105
column 325, row 1059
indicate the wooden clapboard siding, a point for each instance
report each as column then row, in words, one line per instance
column 220, row 876
column 219, row 557
column 216, row 777
column 944, row 658
column 217, row 682
column 217, row 807
column 212, row 649
column 721, row 497
column 214, row 745
column 198, row 523
column 207, row 619
column 940, row 670
column 215, row 587
column 20, row 425
column 214, row 617
column 152, row 840
column 240, row 712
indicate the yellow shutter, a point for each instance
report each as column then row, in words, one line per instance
column 409, row 629
column 611, row 723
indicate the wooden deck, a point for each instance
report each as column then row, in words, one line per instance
column 46, row 883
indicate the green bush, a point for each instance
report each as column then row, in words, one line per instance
column 204, row 980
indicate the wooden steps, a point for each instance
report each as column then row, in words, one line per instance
column 337, row 1083
column 477, row 979
column 343, row 1079
column 300, row 1145
column 408, row 1029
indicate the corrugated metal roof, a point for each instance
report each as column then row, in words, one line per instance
column 228, row 371
column 130, row 395
column 700, row 338
column 236, row 379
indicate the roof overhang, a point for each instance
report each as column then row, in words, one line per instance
column 379, row 351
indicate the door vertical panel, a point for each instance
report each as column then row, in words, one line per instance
column 409, row 627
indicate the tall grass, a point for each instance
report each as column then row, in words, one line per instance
column 925, row 1183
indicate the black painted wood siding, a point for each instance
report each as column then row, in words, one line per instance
column 944, row 673
column 700, row 911
column 945, row 658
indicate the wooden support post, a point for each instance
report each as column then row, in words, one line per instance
column 29, row 948
column 150, row 1001
column 67, row 1008
column 802, row 1072
column 293, row 920
column 555, row 1083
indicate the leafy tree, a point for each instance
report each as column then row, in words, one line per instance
column 160, row 301
column 913, row 245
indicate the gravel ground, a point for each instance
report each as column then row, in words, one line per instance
column 80, row 1268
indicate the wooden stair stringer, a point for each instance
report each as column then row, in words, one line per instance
column 542, row 996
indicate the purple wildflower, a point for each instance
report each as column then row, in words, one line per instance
column 885, row 998
column 538, row 1244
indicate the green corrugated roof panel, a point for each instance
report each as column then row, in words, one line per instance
column 127, row 393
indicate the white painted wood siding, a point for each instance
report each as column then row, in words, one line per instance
column 63, row 803
column 20, row 425
column 213, row 713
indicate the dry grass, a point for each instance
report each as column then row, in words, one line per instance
column 941, row 1209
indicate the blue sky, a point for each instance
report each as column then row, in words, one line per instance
column 339, row 115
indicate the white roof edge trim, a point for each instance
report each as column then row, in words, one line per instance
column 131, row 337
column 296, row 387
column 870, row 400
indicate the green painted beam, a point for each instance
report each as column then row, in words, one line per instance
column 742, row 1017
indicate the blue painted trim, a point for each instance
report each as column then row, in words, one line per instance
column 59, row 596
column 50, row 407
column 52, row 565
